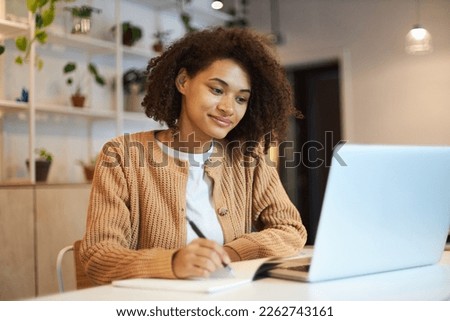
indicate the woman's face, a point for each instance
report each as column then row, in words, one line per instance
column 213, row 101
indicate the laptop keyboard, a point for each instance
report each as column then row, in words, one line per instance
column 301, row 268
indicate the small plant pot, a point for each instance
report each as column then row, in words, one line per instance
column 128, row 39
column 41, row 170
column 81, row 25
column 78, row 100
column 158, row 47
column 133, row 99
column 88, row 172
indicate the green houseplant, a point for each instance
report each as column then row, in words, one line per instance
column 130, row 33
column 42, row 164
column 78, row 96
column 82, row 11
column 44, row 12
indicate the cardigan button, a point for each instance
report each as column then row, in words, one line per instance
column 223, row 211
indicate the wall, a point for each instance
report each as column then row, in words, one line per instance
column 388, row 96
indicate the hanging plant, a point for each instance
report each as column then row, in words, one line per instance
column 184, row 16
column 44, row 12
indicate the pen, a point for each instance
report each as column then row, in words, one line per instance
column 201, row 235
column 196, row 229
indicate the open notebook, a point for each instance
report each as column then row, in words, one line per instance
column 243, row 272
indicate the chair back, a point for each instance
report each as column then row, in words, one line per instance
column 82, row 280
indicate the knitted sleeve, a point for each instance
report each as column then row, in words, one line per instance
column 109, row 249
column 278, row 229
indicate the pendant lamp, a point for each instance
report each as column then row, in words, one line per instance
column 217, row 5
column 418, row 40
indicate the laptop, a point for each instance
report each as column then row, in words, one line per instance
column 385, row 208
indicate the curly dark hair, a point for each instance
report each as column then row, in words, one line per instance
column 270, row 101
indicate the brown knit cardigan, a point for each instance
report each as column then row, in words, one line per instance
column 136, row 216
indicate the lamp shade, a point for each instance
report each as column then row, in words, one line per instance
column 217, row 5
column 418, row 41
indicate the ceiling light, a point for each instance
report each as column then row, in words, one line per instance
column 418, row 39
column 217, row 5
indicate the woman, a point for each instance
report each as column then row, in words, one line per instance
column 224, row 98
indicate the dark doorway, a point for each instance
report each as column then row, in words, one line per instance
column 306, row 155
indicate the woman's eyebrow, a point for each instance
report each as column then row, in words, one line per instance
column 224, row 83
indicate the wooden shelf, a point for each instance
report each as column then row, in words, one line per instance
column 83, row 43
column 96, row 46
column 13, row 106
column 10, row 105
column 76, row 111
column 137, row 52
column 11, row 29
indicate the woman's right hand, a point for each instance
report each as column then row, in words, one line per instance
column 199, row 258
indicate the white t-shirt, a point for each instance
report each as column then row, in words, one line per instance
column 199, row 201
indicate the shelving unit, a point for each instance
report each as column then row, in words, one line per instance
column 91, row 47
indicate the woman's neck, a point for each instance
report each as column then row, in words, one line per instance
column 187, row 143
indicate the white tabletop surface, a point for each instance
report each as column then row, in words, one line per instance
column 422, row 283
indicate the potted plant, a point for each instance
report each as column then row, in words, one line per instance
column 42, row 164
column 78, row 98
column 134, row 87
column 81, row 18
column 160, row 40
column 88, row 168
column 130, row 33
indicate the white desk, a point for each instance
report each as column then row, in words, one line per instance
column 424, row 283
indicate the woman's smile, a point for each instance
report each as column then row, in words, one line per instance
column 221, row 121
